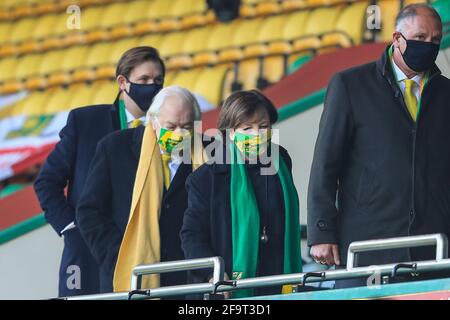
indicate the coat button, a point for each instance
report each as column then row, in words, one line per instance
column 321, row 224
column 167, row 206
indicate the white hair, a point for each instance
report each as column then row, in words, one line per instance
column 184, row 94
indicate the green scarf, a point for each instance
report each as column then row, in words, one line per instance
column 246, row 224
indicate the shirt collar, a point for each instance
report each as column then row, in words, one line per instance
column 400, row 75
column 130, row 117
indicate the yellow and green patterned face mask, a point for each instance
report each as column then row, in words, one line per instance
column 168, row 140
column 251, row 145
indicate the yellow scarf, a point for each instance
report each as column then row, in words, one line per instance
column 141, row 241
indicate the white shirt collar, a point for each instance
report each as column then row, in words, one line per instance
column 130, row 117
column 400, row 75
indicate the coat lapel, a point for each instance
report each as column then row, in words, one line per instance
column 115, row 115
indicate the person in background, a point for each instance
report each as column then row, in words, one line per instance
column 238, row 207
column 381, row 166
column 140, row 76
column 132, row 207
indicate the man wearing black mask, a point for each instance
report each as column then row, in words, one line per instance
column 381, row 165
column 140, row 76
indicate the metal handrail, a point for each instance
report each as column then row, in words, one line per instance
column 441, row 263
column 439, row 240
column 181, row 265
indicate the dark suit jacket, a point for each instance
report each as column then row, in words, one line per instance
column 207, row 225
column 104, row 207
column 389, row 174
column 67, row 165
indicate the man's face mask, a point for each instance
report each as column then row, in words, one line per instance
column 143, row 94
column 252, row 145
column 170, row 140
column 420, row 55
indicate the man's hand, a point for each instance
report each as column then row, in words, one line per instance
column 226, row 294
column 327, row 253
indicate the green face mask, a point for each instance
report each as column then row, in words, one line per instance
column 252, row 145
column 168, row 140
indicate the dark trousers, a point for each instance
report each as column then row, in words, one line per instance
column 78, row 272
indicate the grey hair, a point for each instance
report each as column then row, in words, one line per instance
column 184, row 94
column 410, row 11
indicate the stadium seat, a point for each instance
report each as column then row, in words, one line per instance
column 106, row 92
column 58, row 101
column 152, row 40
column 219, row 38
column 389, row 10
column 7, row 67
column 246, row 33
column 113, row 15
column 267, row 8
column 82, row 95
column 172, row 44
column 292, row 5
column 349, row 29
column 212, row 82
column 136, row 11
column 34, row 104
column 194, row 42
column 21, row 30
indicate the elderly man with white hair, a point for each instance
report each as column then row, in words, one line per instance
column 132, row 207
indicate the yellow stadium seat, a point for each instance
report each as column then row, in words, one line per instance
column 91, row 17
column 136, row 11
column 292, row 5
column 194, row 42
column 211, row 83
column 45, row 25
column 267, row 8
column 106, row 92
column 295, row 25
column 21, row 30
column 51, row 62
column 21, row 11
column 97, row 55
column 7, row 67
column 144, row 27
column 188, row 78
column 108, row 70
column 5, row 29
column 389, row 10
column 34, row 104
column 169, row 77
column 159, row 9
column 352, row 22
column 243, row 35
column 113, row 15
column 271, row 30
column 322, row 20
column 172, row 44
column 81, row 95
column 28, row 66
column 45, row 7
column 219, row 38
column 152, row 40
column 120, row 47
column 58, row 101
column 186, row 7
column 74, row 58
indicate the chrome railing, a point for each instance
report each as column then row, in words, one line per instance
column 217, row 285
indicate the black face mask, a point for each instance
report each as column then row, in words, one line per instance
column 143, row 94
column 419, row 55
